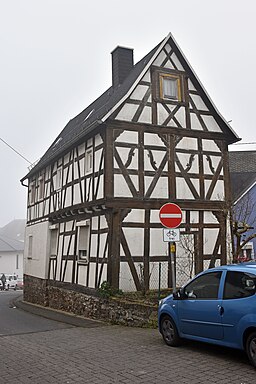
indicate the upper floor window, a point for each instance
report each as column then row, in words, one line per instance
column 30, row 246
column 170, row 87
column 83, row 242
column 41, row 187
column 59, row 178
column 32, row 192
column 88, row 161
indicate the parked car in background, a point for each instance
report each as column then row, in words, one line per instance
column 20, row 282
column 10, row 283
column 218, row 306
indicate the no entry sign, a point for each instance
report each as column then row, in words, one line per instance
column 170, row 215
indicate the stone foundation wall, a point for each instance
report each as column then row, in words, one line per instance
column 85, row 302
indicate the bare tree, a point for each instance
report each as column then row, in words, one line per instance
column 243, row 221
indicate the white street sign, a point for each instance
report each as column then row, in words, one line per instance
column 171, row 234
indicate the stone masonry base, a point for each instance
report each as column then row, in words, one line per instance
column 85, row 302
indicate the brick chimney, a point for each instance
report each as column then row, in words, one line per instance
column 122, row 63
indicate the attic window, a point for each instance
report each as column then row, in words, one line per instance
column 170, row 87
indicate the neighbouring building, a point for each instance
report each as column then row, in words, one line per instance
column 12, row 247
column 243, row 183
column 153, row 137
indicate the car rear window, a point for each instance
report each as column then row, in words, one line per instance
column 239, row 285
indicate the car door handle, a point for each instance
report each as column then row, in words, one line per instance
column 221, row 309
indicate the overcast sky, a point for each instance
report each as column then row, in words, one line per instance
column 55, row 60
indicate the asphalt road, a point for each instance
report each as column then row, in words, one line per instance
column 14, row 321
column 40, row 351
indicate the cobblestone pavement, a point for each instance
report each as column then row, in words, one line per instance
column 114, row 354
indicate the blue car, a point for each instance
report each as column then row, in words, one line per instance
column 218, row 306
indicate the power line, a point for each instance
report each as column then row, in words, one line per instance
column 13, row 149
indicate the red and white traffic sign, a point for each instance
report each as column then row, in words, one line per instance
column 170, row 215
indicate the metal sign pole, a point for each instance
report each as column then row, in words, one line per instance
column 172, row 246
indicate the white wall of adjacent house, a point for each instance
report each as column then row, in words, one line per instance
column 11, row 262
column 36, row 252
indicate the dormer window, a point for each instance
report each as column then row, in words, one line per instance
column 170, row 87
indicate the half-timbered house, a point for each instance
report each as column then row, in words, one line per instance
column 153, row 137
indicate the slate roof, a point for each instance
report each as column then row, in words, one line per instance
column 242, row 166
column 10, row 245
column 15, row 229
column 98, row 112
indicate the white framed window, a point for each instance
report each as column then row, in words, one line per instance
column 88, row 160
column 54, row 241
column 59, row 178
column 83, row 243
column 41, row 187
column 32, row 192
column 170, row 87
column 30, row 246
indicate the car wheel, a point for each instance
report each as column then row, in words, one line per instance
column 169, row 332
column 251, row 348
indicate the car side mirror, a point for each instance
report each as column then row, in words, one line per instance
column 179, row 294
column 176, row 295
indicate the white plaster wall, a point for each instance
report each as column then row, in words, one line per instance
column 135, row 216
column 211, row 123
column 215, row 160
column 160, row 58
column 180, row 115
column 191, row 86
column 68, row 196
column 195, row 123
column 184, row 158
column 139, row 92
column 98, row 140
column 157, row 245
column 135, row 241
column 200, row 105
column 8, row 263
column 177, row 62
column 98, row 159
column 182, row 189
column 161, row 188
column 210, row 218
column 188, row 143
column 121, row 188
column 146, row 115
column 128, row 137
column 82, row 274
column 157, row 159
column 38, row 265
column 77, row 194
column 218, row 192
column 127, row 112
column 100, row 193
column 124, row 155
column 152, row 139
column 194, row 217
column 162, row 114
column 91, row 282
column 210, row 145
column 210, row 237
column 126, row 282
